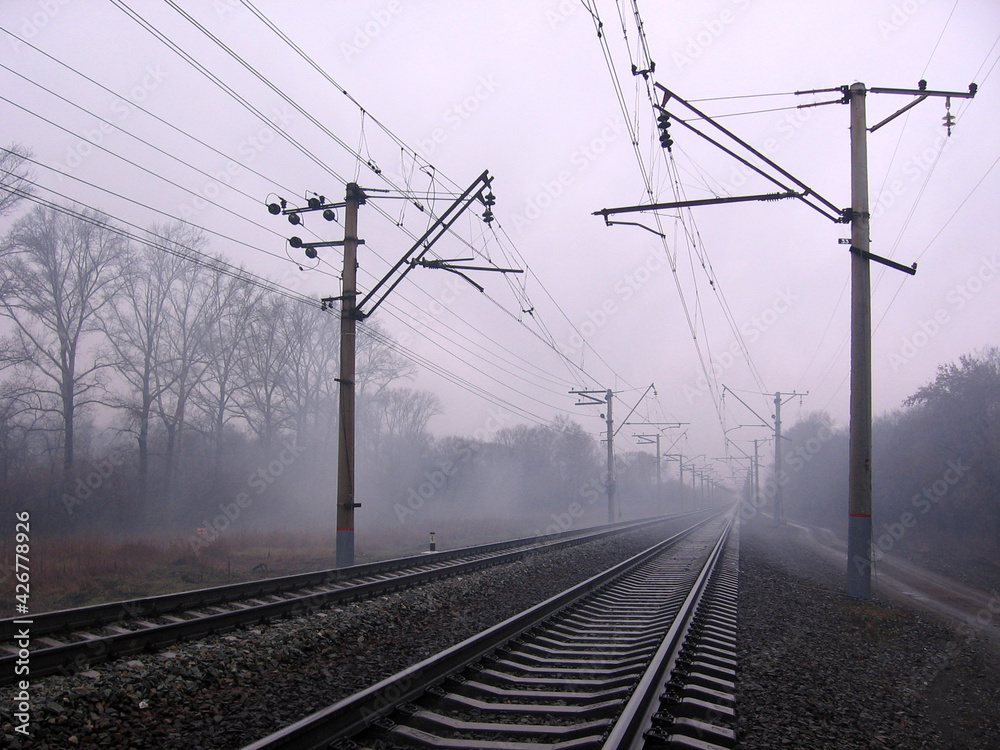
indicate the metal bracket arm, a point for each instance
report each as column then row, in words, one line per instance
column 912, row 270
column 606, row 212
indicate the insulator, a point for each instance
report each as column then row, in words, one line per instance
column 310, row 253
column 663, row 121
column 295, row 241
column 314, row 203
column 294, row 219
column 274, row 208
column 329, row 214
column 487, row 216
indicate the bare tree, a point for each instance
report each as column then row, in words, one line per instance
column 378, row 364
column 59, row 271
column 137, row 328
column 15, row 176
column 225, row 345
column 19, row 418
column 404, row 412
column 190, row 312
column 263, row 370
column 311, row 336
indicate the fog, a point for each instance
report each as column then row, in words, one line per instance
column 203, row 393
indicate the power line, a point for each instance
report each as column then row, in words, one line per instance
column 415, row 158
column 190, row 254
column 152, row 174
column 145, row 111
column 176, row 49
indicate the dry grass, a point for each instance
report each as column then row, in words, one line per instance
column 76, row 571
column 80, row 570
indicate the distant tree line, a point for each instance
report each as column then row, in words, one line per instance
column 936, row 465
column 149, row 386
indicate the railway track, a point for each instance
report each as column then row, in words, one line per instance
column 640, row 656
column 69, row 641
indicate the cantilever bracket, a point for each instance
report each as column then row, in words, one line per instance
column 449, row 265
column 912, row 270
column 609, row 223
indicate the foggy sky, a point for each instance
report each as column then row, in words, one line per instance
column 521, row 88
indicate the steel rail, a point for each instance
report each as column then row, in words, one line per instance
column 286, row 596
column 370, row 707
column 636, row 718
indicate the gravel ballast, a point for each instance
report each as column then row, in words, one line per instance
column 818, row 669
column 229, row 690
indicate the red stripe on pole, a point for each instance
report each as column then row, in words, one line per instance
column 860, row 515
column 350, row 529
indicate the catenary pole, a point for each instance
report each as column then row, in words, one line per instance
column 609, row 397
column 859, row 521
column 779, row 498
column 348, row 353
column 860, row 479
column 351, row 311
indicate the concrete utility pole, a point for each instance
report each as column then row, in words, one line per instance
column 679, row 457
column 648, row 440
column 351, row 311
column 859, row 520
column 591, row 398
column 779, row 498
column 348, row 350
column 659, row 478
column 756, row 472
column 609, row 397
column 859, row 483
